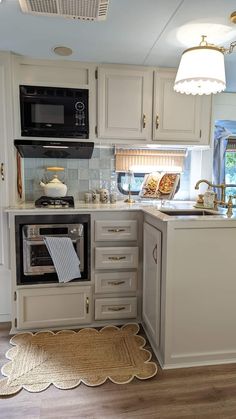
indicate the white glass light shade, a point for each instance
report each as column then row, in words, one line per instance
column 201, row 71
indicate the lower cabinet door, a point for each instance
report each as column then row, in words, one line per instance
column 115, row 308
column 152, row 281
column 54, row 306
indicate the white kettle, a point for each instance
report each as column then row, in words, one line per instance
column 55, row 188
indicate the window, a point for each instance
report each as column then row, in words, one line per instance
column 230, row 166
column 135, row 184
column 224, row 160
column 144, row 161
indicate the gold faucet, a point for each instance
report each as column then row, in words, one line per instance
column 221, row 186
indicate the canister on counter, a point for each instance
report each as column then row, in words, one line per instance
column 95, row 197
column 113, row 197
column 87, row 197
column 208, row 199
column 104, row 195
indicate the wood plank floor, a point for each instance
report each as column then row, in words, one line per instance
column 198, row 393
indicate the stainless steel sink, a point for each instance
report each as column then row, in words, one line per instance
column 187, row 212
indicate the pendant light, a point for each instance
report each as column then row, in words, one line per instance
column 202, row 70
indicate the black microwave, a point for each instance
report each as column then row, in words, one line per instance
column 54, row 112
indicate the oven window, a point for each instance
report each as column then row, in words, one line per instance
column 39, row 255
column 47, row 114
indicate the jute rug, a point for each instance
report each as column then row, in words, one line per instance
column 67, row 358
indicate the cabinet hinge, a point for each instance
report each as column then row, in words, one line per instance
column 96, row 130
column 200, row 133
column 15, row 322
column 15, row 296
column 96, row 74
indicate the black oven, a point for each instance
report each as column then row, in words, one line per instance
column 33, row 262
column 54, row 112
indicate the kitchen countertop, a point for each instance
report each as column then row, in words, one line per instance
column 152, row 207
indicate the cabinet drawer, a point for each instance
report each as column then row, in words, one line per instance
column 116, row 257
column 116, row 230
column 115, row 282
column 115, row 308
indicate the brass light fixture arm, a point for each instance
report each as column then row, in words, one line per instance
column 224, row 50
column 231, row 47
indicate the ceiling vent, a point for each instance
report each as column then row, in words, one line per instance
column 74, row 9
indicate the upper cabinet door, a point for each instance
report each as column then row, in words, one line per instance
column 124, row 103
column 179, row 118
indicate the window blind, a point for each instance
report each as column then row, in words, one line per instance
column 144, row 160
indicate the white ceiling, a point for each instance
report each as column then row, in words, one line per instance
column 143, row 32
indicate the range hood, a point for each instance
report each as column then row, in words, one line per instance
column 54, row 149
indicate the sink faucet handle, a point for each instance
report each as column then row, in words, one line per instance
column 230, row 206
column 216, row 202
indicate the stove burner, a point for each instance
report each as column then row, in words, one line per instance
column 57, row 202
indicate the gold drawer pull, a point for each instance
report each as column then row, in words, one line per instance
column 154, row 254
column 116, row 282
column 2, row 172
column 115, row 230
column 87, row 305
column 116, row 308
column 116, row 257
column 144, row 121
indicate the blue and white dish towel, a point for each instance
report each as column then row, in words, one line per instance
column 64, row 257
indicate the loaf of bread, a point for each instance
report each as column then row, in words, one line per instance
column 159, row 185
column 167, row 182
column 150, row 185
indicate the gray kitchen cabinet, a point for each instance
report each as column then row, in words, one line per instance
column 56, row 73
column 179, row 118
column 5, row 136
column 195, row 303
column 53, row 306
column 112, row 292
column 116, row 264
column 125, row 110
column 115, row 282
column 116, row 230
column 115, row 308
column 124, row 102
column 116, row 257
column 200, row 290
column 128, row 106
column 151, row 282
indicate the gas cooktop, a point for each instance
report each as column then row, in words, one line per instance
column 55, row 202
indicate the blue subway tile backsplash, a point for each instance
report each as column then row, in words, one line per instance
column 80, row 175
column 84, row 175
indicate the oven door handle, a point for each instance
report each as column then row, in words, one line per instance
column 34, row 242
column 38, row 242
